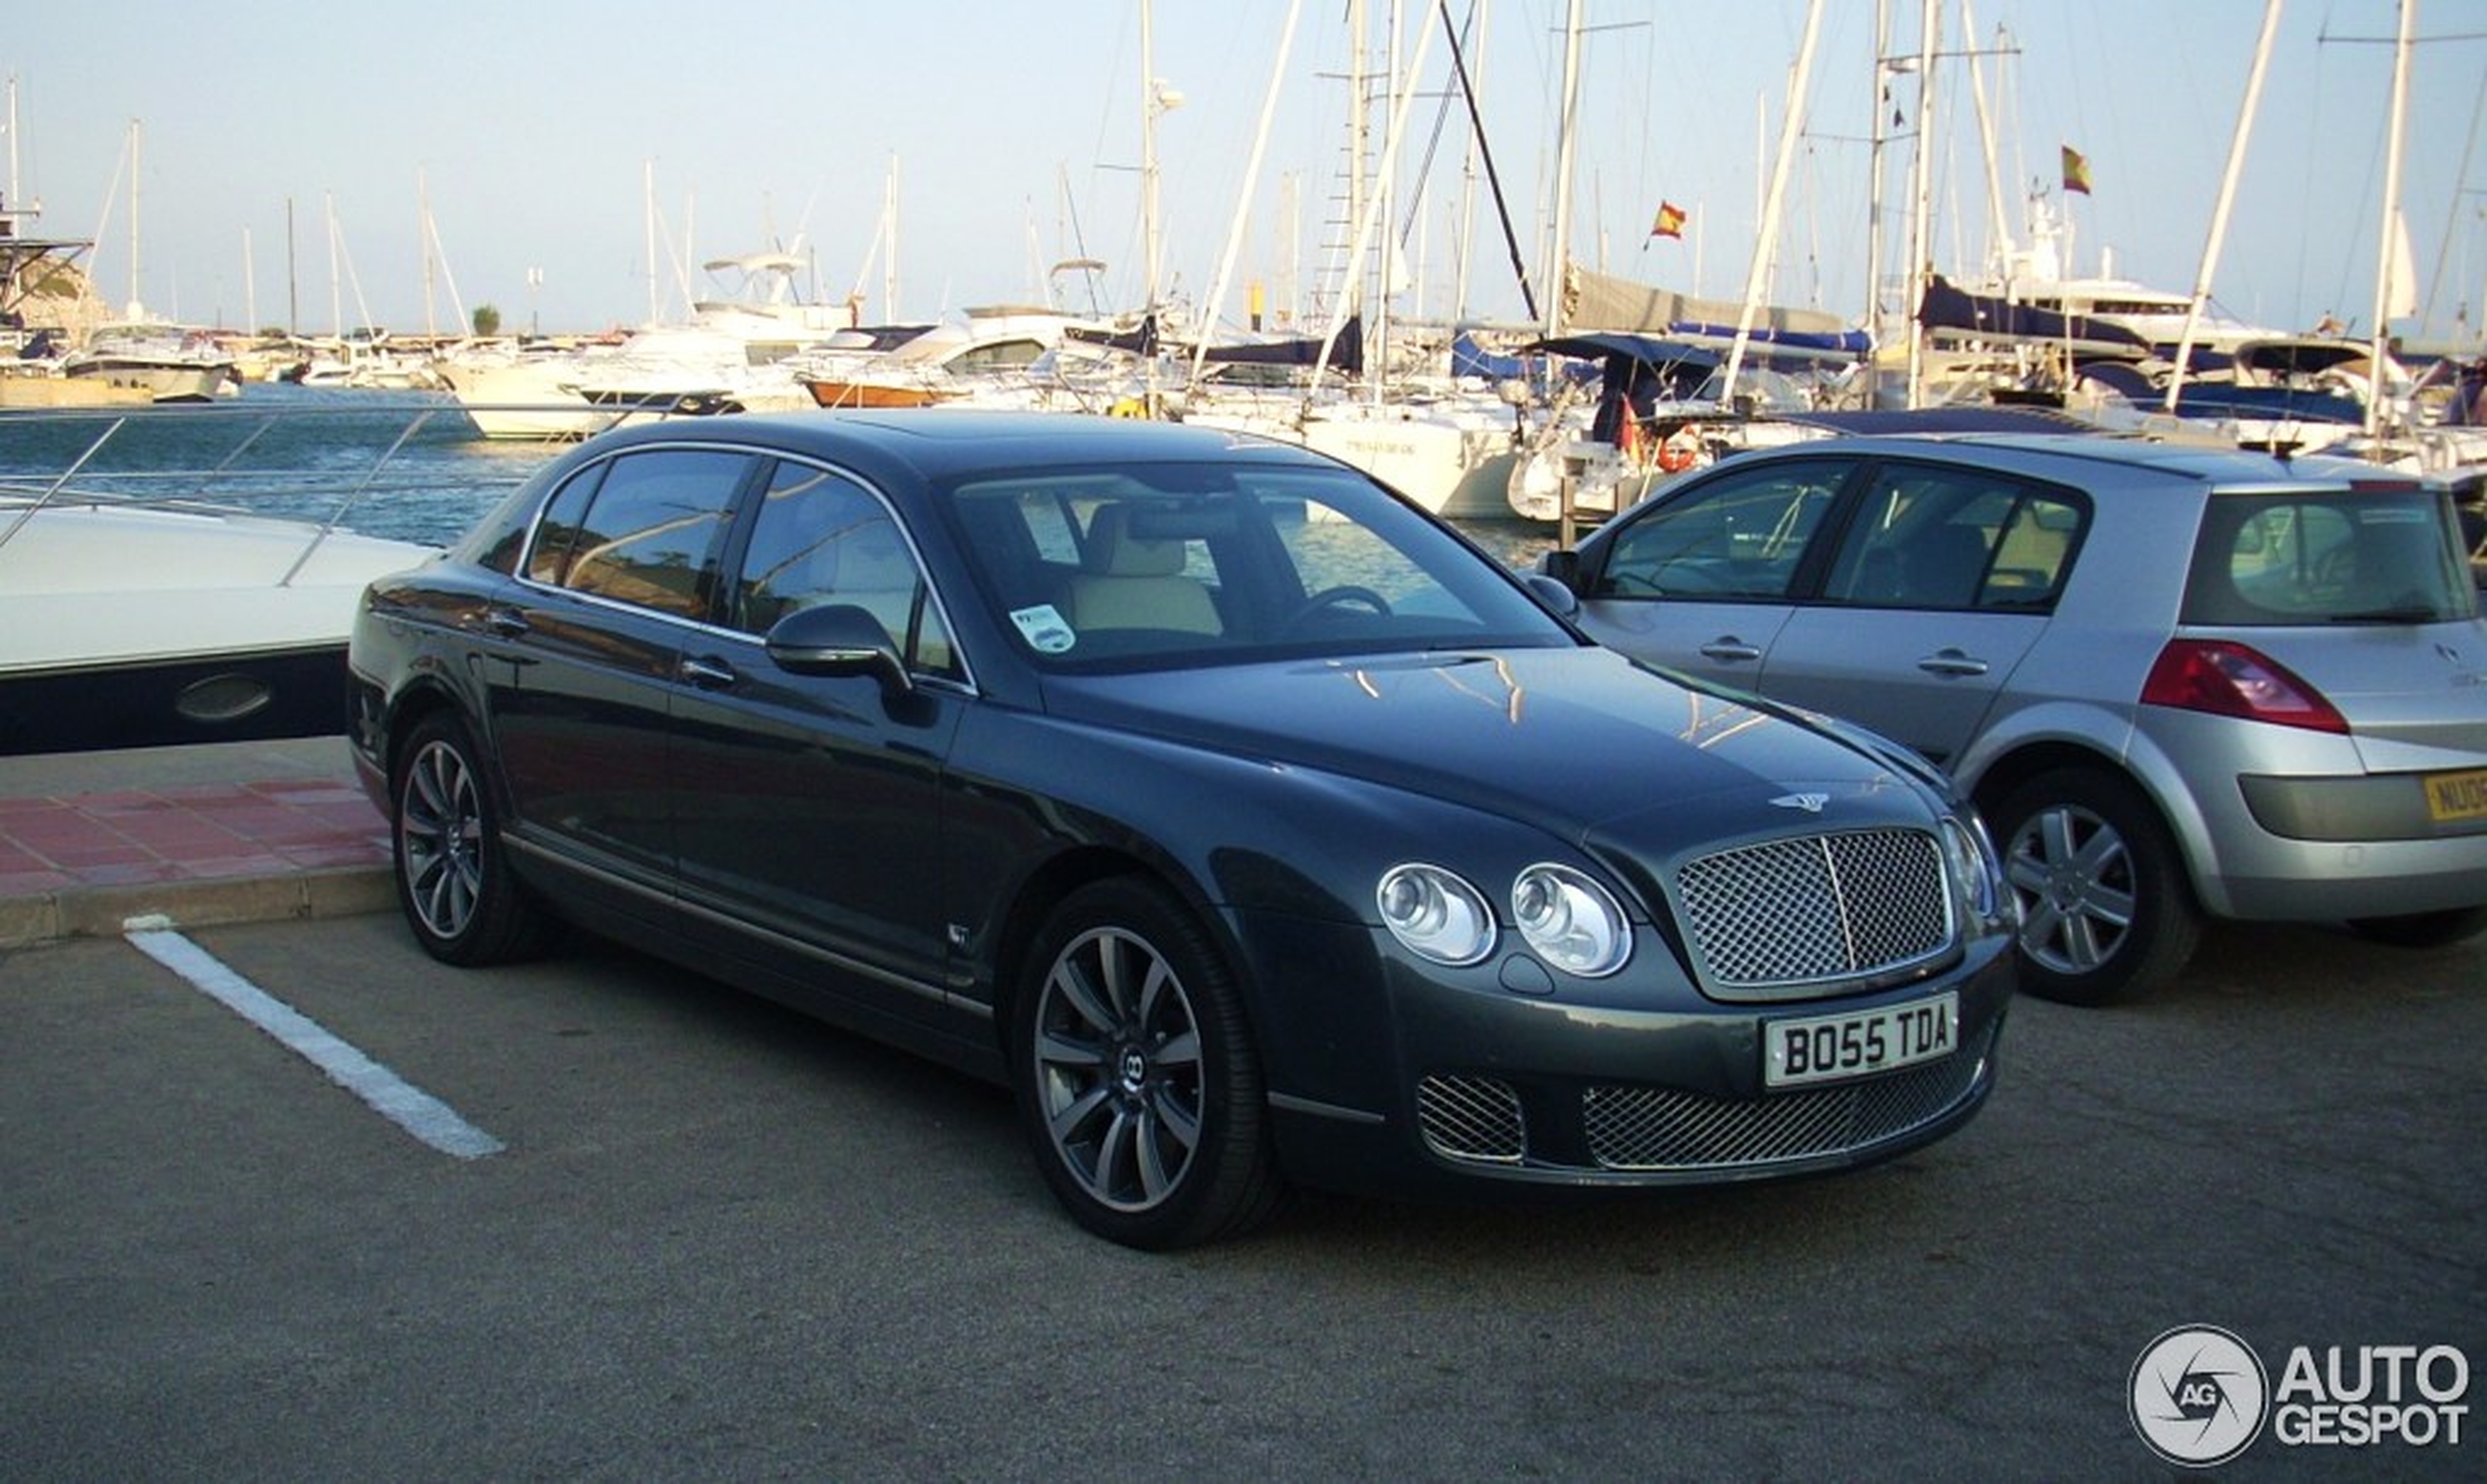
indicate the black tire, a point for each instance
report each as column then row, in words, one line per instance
column 2106, row 912
column 455, row 883
column 2424, row 930
column 1135, row 1072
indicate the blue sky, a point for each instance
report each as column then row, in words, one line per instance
column 1009, row 135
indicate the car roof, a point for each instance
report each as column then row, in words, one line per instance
column 2062, row 455
column 932, row 443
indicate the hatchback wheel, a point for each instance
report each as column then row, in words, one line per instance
column 2105, row 910
column 453, row 880
column 1136, row 1078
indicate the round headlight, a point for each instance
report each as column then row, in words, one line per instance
column 1570, row 920
column 1435, row 913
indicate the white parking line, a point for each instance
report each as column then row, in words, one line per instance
column 391, row 1097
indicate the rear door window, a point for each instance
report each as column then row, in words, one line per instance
column 1956, row 539
column 652, row 532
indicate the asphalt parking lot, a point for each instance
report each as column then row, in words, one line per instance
column 719, row 1242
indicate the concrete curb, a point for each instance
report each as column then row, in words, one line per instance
column 99, row 911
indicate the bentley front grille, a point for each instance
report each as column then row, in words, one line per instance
column 1785, row 917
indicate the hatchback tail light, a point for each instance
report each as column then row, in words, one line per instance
column 2231, row 679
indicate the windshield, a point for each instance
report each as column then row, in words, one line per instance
column 1136, row 567
column 2340, row 556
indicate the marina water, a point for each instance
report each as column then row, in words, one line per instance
column 408, row 465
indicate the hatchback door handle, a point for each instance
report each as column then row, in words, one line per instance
column 1728, row 647
column 709, row 675
column 1951, row 662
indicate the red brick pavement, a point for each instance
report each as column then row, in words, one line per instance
column 192, row 832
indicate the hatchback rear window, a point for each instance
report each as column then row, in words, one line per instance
column 2339, row 556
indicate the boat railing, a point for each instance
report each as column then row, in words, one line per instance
column 395, row 469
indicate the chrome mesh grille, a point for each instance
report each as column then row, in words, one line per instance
column 1790, row 913
column 1661, row 1129
column 1472, row 1118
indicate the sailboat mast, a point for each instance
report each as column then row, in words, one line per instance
column 134, row 173
column 1556, row 267
column 647, row 224
column 2227, row 196
column 2383, row 244
column 1765, row 243
column 1874, row 207
column 1921, row 204
column 1251, row 183
column 1148, row 150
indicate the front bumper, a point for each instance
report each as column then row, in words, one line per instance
column 1464, row 1084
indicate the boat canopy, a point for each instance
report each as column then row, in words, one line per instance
column 1644, row 349
column 2301, row 355
column 1600, row 302
column 1949, row 306
column 1346, row 351
column 1468, row 358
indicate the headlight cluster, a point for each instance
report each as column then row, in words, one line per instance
column 1976, row 871
column 1566, row 918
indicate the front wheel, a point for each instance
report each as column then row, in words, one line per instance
column 453, row 883
column 2106, row 912
column 1135, row 1074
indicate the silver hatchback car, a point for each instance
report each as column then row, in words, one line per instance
column 2177, row 682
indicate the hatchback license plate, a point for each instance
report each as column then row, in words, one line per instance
column 1833, row 1047
column 2451, row 797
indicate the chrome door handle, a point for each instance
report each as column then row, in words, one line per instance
column 709, row 675
column 508, row 623
column 1951, row 662
column 1728, row 647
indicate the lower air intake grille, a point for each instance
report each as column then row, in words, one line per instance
column 1661, row 1129
column 1781, row 918
column 1472, row 1118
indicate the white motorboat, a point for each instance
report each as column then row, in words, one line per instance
column 730, row 355
column 170, row 362
column 134, row 619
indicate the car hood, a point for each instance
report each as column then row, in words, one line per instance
column 1575, row 740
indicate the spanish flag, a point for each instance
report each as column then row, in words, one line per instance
column 1670, row 220
column 2076, row 171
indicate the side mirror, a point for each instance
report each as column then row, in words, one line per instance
column 838, row 639
column 1554, row 593
column 1562, row 566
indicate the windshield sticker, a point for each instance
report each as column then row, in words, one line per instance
column 1043, row 628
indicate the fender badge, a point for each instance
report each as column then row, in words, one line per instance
column 1811, row 804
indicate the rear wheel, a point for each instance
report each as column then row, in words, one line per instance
column 2106, row 912
column 2424, row 930
column 1136, row 1083
column 453, row 881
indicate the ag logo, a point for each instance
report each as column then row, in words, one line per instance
column 2198, row 1396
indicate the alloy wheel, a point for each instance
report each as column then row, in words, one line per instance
column 439, row 835
column 2074, row 875
column 1117, row 1061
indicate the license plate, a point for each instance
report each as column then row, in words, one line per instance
column 1834, row 1047
column 2451, row 797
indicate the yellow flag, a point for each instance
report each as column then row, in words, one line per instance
column 2075, row 171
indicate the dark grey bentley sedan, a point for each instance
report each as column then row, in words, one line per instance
column 1252, row 825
